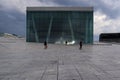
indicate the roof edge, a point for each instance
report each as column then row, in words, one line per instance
column 59, row 8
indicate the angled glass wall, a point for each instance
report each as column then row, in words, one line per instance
column 60, row 26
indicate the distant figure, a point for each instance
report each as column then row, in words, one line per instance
column 45, row 45
column 80, row 45
column 65, row 42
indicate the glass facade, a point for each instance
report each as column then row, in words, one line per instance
column 60, row 26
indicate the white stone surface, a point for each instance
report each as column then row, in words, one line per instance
column 30, row 61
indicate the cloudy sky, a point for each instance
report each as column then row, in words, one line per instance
column 106, row 14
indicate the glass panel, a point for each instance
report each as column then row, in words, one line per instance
column 59, row 26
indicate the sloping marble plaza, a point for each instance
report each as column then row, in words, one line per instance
column 30, row 61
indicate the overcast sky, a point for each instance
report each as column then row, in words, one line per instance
column 106, row 14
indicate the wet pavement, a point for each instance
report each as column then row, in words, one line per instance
column 30, row 61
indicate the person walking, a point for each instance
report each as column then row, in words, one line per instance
column 45, row 45
column 80, row 45
column 66, row 42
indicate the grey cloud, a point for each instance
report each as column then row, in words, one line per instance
column 97, row 4
column 68, row 2
column 12, row 25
